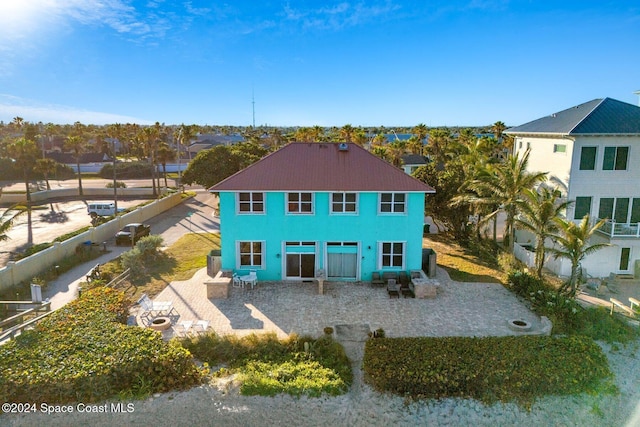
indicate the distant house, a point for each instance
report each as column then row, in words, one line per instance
column 592, row 151
column 207, row 141
column 321, row 206
column 89, row 162
column 411, row 162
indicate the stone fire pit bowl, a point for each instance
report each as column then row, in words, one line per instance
column 161, row 323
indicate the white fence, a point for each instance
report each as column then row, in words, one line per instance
column 556, row 266
column 43, row 196
column 25, row 269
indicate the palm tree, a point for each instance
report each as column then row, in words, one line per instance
column 46, row 167
column 420, row 132
column 497, row 128
column 539, row 214
column 6, row 221
column 24, row 153
column 78, row 146
column 346, row 133
column 165, row 154
column 574, row 246
column 503, row 185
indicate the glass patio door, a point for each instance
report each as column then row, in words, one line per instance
column 300, row 266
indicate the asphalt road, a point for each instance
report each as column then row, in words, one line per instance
column 53, row 220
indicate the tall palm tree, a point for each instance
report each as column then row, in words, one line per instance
column 573, row 242
column 503, row 185
column 46, row 167
column 77, row 146
column 24, row 153
column 150, row 136
column 539, row 214
column 347, row 132
column 165, row 154
column 420, row 131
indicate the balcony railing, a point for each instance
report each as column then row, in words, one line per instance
column 620, row 229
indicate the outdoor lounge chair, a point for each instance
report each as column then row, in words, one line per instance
column 406, row 290
column 376, row 280
column 393, row 289
column 151, row 309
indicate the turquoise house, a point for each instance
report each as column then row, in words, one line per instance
column 321, row 206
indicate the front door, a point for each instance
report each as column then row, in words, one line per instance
column 301, row 266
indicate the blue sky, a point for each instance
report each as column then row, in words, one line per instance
column 328, row 63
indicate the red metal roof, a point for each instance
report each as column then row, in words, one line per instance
column 301, row 166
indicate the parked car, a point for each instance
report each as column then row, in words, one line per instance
column 102, row 209
column 135, row 231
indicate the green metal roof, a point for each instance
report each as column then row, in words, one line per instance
column 596, row 117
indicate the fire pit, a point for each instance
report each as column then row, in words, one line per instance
column 160, row 323
column 519, row 325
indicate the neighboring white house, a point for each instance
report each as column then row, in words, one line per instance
column 592, row 152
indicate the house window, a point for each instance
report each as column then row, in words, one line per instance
column 616, row 209
column 391, row 255
column 301, row 203
column 559, row 148
column 615, row 158
column 583, row 207
column 251, row 202
column 344, row 202
column 588, row 158
column 635, row 211
column 250, row 254
column 393, row 202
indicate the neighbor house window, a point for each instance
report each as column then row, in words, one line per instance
column 583, row 207
column 251, row 202
column 559, row 148
column 616, row 209
column 300, row 203
column 393, row 202
column 250, row 254
column 615, row 158
column 344, row 202
column 391, row 255
column 588, row 158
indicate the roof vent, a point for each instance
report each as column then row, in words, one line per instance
column 343, row 147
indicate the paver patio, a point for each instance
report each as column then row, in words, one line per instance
column 460, row 309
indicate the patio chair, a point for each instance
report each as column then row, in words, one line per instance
column 237, row 283
column 201, row 326
column 404, row 278
column 182, row 328
column 392, row 289
column 406, row 290
column 251, row 279
column 152, row 308
column 376, row 280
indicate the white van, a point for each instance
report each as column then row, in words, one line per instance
column 102, row 209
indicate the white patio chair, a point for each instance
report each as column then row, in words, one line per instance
column 237, row 283
column 201, row 326
column 183, row 328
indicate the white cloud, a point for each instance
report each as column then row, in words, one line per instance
column 340, row 15
column 34, row 111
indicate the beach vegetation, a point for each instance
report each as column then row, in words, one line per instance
column 491, row 369
column 85, row 352
column 266, row 365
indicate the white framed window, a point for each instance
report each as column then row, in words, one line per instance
column 250, row 254
column 393, row 203
column 559, row 148
column 300, row 203
column 391, row 255
column 344, row 203
column 250, row 202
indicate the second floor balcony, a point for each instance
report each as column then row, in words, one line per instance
column 620, row 229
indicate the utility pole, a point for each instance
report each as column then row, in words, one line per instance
column 253, row 107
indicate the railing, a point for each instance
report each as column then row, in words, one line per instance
column 620, row 229
column 17, row 329
column 117, row 281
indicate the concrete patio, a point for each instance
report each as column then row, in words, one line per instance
column 460, row 309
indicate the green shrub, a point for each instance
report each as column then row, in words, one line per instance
column 84, row 352
column 488, row 369
column 145, row 251
column 269, row 366
column 119, row 184
column 127, row 170
column 566, row 315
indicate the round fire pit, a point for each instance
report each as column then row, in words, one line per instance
column 519, row 325
column 160, row 324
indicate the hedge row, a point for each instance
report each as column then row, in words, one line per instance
column 488, row 369
column 127, row 170
column 84, row 352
